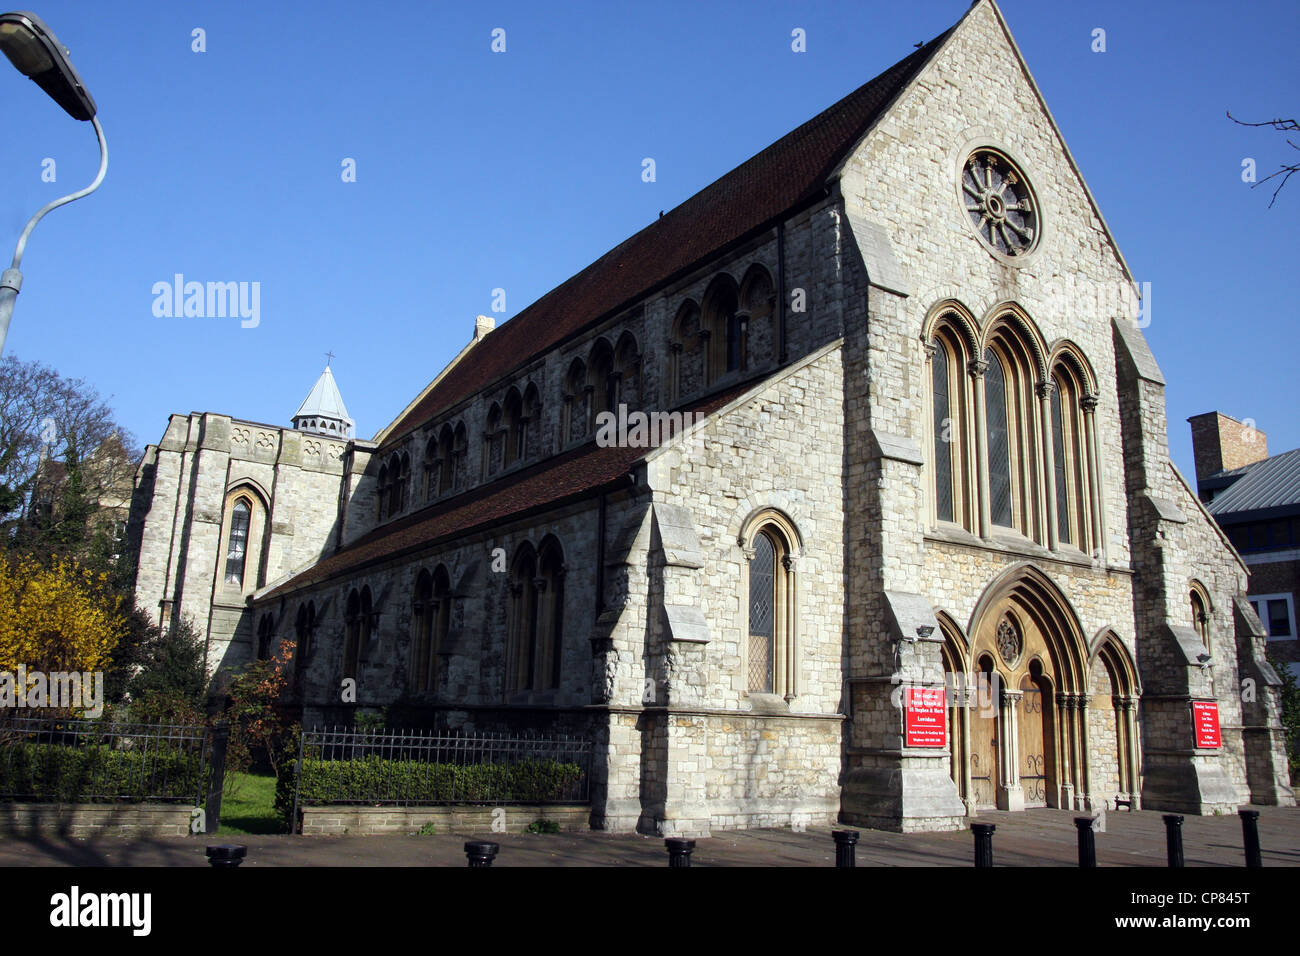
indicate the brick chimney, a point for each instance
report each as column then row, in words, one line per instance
column 1220, row 442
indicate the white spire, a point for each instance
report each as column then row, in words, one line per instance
column 323, row 411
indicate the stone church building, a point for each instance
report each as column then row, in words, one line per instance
column 908, row 542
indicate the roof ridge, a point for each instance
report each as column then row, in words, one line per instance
column 774, row 181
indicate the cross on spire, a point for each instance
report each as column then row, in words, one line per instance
column 329, row 357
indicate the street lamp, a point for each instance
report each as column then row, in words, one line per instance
column 37, row 53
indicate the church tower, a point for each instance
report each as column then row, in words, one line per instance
column 322, row 411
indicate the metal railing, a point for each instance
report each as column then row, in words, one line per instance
column 341, row 765
column 90, row 761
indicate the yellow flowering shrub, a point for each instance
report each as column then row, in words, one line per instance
column 59, row 617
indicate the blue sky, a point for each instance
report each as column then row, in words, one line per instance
column 478, row 171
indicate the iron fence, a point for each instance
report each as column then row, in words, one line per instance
column 46, row 759
column 342, row 765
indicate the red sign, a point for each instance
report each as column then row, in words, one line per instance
column 1205, row 717
column 927, row 717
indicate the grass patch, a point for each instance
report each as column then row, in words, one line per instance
column 252, row 808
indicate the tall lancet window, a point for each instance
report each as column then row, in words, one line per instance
column 762, row 614
column 999, row 446
column 942, row 436
column 237, row 549
column 1059, row 467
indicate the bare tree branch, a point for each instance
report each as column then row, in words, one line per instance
column 1287, row 170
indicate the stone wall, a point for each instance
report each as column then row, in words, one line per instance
column 186, row 482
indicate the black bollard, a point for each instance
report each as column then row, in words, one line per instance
column 481, row 852
column 1250, row 836
column 1174, row 838
column 983, row 843
column 845, row 840
column 226, row 855
column 1087, row 841
column 679, row 851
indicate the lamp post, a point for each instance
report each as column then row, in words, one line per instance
column 37, row 53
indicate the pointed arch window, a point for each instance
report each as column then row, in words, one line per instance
column 602, row 381
column 1073, row 465
column 686, row 352
column 735, row 341
column 352, row 635
column 459, row 457
column 720, row 328
column 770, row 607
column 758, row 332
column 627, row 370
column 445, row 461
column 536, row 619
column 358, row 622
column 999, row 443
column 382, row 492
column 265, row 635
column 1015, row 429
column 400, row 472
column 1200, row 602
column 762, row 612
column 431, row 468
column 576, row 399
column 951, row 447
column 432, row 619
column 942, row 407
column 1060, row 469
column 237, row 545
column 304, row 627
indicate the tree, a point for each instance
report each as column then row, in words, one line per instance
column 55, row 617
column 162, row 672
column 66, row 468
column 255, row 712
column 1286, row 170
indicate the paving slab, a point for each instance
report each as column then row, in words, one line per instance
column 1030, row 838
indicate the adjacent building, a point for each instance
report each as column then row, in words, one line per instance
column 1255, row 498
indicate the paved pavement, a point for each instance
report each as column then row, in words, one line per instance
column 1030, row 838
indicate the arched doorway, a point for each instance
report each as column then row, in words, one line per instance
column 982, row 708
column 1028, row 720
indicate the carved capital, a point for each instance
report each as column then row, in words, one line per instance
column 1089, row 403
column 1044, row 390
column 977, row 368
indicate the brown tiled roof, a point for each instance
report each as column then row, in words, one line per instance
column 573, row 475
column 788, row 174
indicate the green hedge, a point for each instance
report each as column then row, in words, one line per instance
column 416, row 782
column 56, row 773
